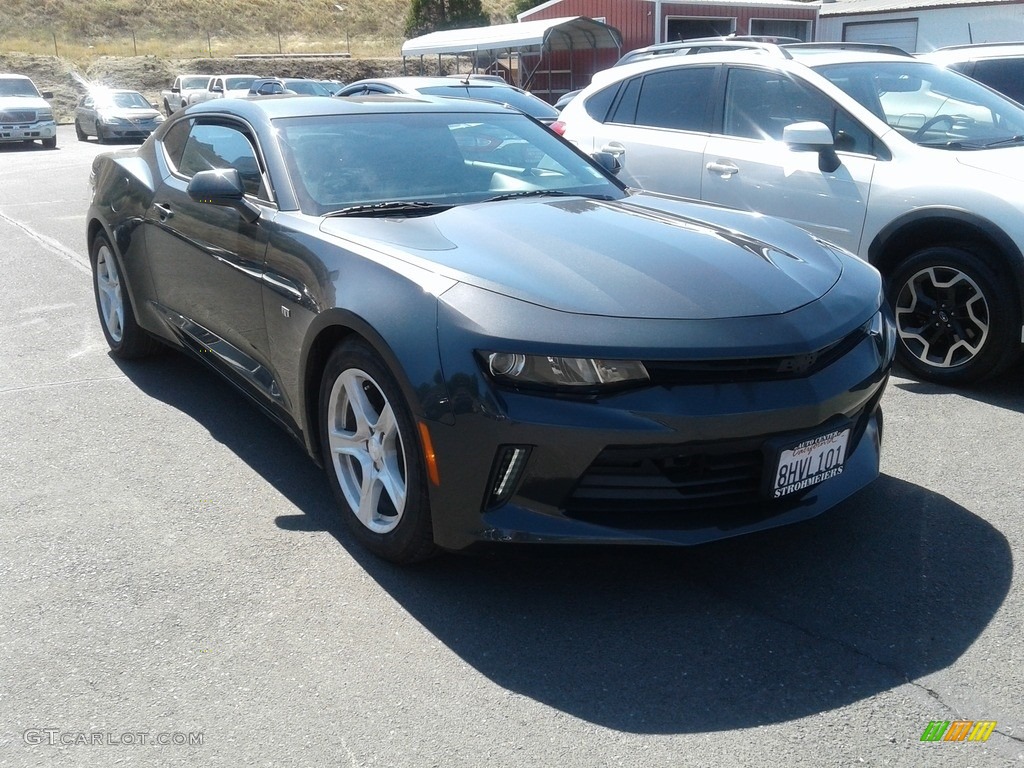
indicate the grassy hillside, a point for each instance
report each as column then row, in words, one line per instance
column 205, row 27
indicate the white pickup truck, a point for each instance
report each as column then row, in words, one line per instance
column 183, row 91
column 24, row 114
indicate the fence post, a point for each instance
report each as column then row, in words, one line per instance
column 55, row 53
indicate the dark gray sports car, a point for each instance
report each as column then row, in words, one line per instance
column 482, row 335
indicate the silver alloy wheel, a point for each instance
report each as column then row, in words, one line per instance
column 367, row 450
column 108, row 284
column 942, row 316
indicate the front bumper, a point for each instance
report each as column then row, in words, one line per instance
column 670, row 463
column 10, row 132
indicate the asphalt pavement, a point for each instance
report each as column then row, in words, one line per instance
column 175, row 589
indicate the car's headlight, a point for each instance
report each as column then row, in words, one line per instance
column 574, row 373
column 882, row 329
column 112, row 120
column 44, row 115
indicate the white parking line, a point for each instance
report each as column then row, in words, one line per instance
column 77, row 260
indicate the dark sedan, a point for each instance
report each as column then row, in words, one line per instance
column 482, row 335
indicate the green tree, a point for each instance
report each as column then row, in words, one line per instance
column 520, row 6
column 433, row 15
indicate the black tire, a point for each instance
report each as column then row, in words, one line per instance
column 958, row 322
column 357, row 394
column 79, row 132
column 100, row 136
column 50, row 143
column 127, row 340
column 167, row 109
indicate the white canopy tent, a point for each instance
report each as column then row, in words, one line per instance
column 571, row 34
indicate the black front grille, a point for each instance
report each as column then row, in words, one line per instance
column 628, row 485
column 18, row 116
column 668, row 373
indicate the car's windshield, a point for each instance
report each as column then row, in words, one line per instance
column 308, row 87
column 525, row 102
column 130, row 100
column 238, row 83
column 447, row 158
column 930, row 105
column 16, row 86
column 200, row 81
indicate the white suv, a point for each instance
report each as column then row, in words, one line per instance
column 997, row 65
column 24, row 114
column 914, row 167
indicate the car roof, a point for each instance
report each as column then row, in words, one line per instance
column 412, row 82
column 274, row 107
column 957, row 53
column 12, row 76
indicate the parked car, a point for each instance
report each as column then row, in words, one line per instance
column 997, row 65
column 183, row 90
column 479, row 352
column 916, row 168
column 685, row 48
column 115, row 113
column 469, row 87
column 269, row 86
column 25, row 117
column 224, row 86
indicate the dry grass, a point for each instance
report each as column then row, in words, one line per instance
column 82, row 30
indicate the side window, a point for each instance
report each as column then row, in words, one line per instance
column 676, row 98
column 174, row 141
column 624, row 111
column 213, row 145
column 760, row 103
column 598, row 104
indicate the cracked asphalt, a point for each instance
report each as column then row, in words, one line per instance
column 176, row 590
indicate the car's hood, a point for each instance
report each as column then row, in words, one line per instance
column 135, row 113
column 647, row 257
column 1003, row 161
column 22, row 102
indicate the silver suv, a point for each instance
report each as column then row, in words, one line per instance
column 997, row 65
column 24, row 114
column 914, row 167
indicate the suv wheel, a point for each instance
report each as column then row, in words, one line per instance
column 957, row 321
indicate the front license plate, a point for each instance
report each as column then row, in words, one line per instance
column 810, row 462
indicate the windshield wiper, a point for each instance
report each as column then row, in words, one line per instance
column 1018, row 139
column 528, row 193
column 544, row 193
column 392, row 206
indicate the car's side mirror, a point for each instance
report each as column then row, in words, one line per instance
column 47, row 94
column 608, row 160
column 223, row 186
column 813, row 136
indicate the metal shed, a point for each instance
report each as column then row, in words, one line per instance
column 520, row 50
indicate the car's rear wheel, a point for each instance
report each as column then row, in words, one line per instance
column 79, row 132
column 372, row 456
column 124, row 335
column 957, row 321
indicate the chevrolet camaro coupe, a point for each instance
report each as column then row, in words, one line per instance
column 482, row 335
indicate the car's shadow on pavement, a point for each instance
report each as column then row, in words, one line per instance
column 1004, row 391
column 892, row 585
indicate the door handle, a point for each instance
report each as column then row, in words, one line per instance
column 723, row 167
column 163, row 211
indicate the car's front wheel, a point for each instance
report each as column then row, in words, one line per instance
column 50, row 143
column 372, row 455
column 125, row 337
column 957, row 321
column 101, row 137
column 79, row 132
